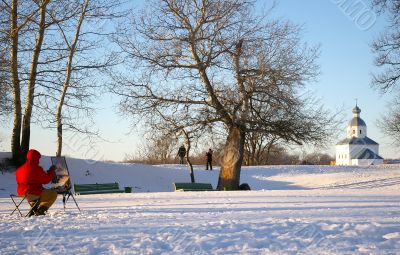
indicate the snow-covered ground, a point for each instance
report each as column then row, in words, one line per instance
column 291, row 210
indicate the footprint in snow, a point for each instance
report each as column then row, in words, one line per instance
column 394, row 235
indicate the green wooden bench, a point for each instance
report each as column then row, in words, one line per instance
column 97, row 188
column 181, row 186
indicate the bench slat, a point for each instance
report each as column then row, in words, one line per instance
column 99, row 192
column 192, row 186
column 97, row 188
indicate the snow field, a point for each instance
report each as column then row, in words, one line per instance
column 255, row 222
column 291, row 210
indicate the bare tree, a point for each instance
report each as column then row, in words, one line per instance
column 158, row 148
column 387, row 50
column 387, row 47
column 280, row 155
column 5, row 108
column 188, row 139
column 390, row 122
column 21, row 15
column 222, row 64
column 178, row 124
column 82, row 63
column 5, row 100
column 65, row 57
column 258, row 147
column 71, row 52
column 4, row 70
column 28, row 25
column 26, row 120
column 13, row 33
column 317, row 158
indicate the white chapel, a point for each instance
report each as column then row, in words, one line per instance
column 357, row 148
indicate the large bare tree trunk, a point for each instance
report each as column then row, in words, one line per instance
column 229, row 177
column 26, row 124
column 16, row 132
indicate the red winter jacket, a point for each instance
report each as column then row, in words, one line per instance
column 30, row 176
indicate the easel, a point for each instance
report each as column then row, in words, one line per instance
column 64, row 190
column 67, row 193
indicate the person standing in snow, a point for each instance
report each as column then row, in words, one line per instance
column 30, row 178
column 209, row 159
column 181, row 154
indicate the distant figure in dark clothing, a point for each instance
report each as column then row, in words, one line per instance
column 181, row 154
column 209, row 159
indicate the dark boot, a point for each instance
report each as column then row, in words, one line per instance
column 41, row 210
column 33, row 210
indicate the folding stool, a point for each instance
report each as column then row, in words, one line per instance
column 32, row 204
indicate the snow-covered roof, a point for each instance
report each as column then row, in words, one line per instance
column 367, row 154
column 358, row 141
column 357, row 121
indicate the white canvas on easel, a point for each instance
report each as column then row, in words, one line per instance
column 62, row 178
column 61, row 182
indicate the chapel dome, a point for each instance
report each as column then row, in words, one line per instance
column 357, row 122
column 356, row 110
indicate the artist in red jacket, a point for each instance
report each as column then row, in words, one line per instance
column 30, row 178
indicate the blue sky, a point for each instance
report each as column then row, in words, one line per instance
column 346, row 59
column 346, row 64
